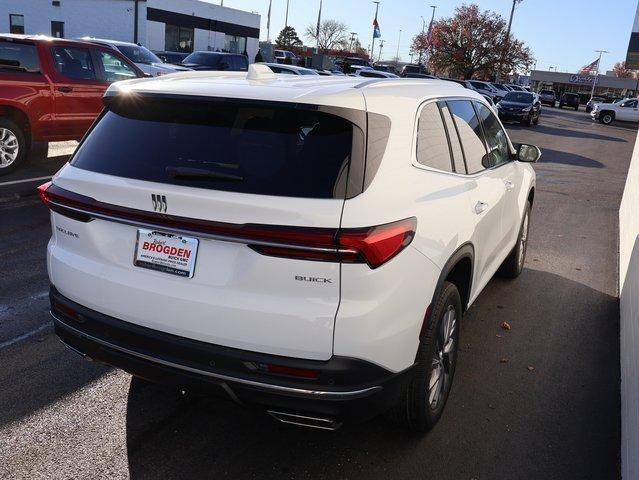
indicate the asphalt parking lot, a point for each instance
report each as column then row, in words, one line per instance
column 538, row 401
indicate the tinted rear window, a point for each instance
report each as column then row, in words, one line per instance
column 203, row 58
column 257, row 148
column 19, row 56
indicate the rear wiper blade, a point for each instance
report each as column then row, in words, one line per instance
column 201, row 174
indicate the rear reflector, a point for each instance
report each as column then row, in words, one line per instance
column 371, row 245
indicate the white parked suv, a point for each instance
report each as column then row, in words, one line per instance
column 143, row 58
column 626, row 110
column 305, row 244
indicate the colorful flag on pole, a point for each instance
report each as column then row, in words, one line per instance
column 590, row 68
column 376, row 31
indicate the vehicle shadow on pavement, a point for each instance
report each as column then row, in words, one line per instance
column 549, row 155
column 572, row 133
column 549, row 385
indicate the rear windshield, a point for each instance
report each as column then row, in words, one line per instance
column 547, row 92
column 520, row 97
column 19, row 56
column 139, row 54
column 259, row 148
column 203, row 58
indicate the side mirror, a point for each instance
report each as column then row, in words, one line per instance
column 528, row 153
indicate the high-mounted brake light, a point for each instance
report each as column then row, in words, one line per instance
column 371, row 245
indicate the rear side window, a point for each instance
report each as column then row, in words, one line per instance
column 115, row 68
column 251, row 147
column 74, row 62
column 470, row 134
column 453, row 137
column 432, row 143
column 19, row 57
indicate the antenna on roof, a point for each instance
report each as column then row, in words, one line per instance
column 260, row 72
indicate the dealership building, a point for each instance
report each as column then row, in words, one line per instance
column 605, row 85
column 173, row 25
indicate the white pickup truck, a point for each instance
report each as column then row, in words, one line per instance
column 626, row 110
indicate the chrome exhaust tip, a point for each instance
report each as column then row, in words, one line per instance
column 321, row 423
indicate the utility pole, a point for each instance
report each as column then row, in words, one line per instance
column 268, row 22
column 350, row 47
column 430, row 31
column 423, row 31
column 399, row 39
column 507, row 43
column 286, row 18
column 373, row 43
column 594, row 82
column 381, row 45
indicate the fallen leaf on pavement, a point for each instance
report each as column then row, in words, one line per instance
column 530, row 368
column 505, row 326
column 503, row 360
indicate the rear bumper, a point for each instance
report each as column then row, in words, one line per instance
column 343, row 389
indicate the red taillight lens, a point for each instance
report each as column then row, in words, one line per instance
column 377, row 245
column 42, row 191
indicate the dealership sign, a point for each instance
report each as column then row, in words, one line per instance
column 583, row 79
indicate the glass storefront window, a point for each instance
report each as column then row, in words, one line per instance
column 234, row 44
column 178, row 39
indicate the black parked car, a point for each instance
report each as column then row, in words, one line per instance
column 522, row 107
column 570, row 100
column 232, row 62
column 172, row 57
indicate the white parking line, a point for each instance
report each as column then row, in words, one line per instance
column 34, row 179
column 15, row 340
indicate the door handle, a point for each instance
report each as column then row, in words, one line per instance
column 509, row 185
column 65, row 89
column 480, row 207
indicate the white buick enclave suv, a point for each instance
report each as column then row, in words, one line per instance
column 305, row 244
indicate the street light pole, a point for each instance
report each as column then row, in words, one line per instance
column 423, row 31
column 373, row 43
column 430, row 30
column 350, row 47
column 381, row 45
column 594, row 82
column 399, row 38
column 286, row 18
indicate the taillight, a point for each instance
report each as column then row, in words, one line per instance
column 377, row 245
column 371, row 245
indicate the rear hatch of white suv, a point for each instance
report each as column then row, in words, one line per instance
column 205, row 218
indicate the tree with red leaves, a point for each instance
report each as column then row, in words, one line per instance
column 621, row 70
column 471, row 44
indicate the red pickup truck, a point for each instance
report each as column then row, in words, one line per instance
column 51, row 90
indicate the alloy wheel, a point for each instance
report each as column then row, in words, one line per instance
column 443, row 358
column 9, row 147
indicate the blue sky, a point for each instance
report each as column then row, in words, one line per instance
column 561, row 33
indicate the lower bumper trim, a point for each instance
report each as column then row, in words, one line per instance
column 218, row 376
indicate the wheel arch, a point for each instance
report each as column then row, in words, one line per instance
column 19, row 117
column 458, row 270
column 531, row 196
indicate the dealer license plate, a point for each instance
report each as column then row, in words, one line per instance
column 166, row 253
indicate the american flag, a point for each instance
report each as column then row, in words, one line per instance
column 590, row 68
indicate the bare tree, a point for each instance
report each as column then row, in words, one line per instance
column 332, row 35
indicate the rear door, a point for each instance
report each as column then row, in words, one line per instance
column 628, row 111
column 232, row 171
column 486, row 192
column 78, row 90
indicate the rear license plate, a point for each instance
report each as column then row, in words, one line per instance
column 166, row 253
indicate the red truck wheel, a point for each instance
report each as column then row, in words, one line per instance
column 13, row 148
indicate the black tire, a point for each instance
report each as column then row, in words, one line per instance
column 536, row 119
column 38, row 151
column 9, row 130
column 417, row 409
column 528, row 121
column 561, row 105
column 514, row 263
column 606, row 117
column 577, row 108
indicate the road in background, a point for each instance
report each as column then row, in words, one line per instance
column 538, row 401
